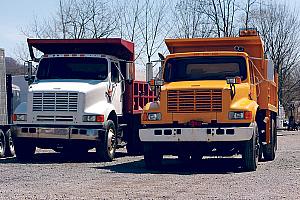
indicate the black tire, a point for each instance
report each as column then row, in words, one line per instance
column 270, row 149
column 10, row 148
column 251, row 152
column 24, row 150
column 2, row 144
column 152, row 156
column 107, row 144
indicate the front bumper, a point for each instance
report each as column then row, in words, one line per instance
column 52, row 132
column 227, row 134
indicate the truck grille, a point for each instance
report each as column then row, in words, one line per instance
column 55, row 101
column 187, row 101
column 51, row 118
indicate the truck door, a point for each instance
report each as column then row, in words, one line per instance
column 116, row 87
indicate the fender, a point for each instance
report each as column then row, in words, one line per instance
column 100, row 108
column 246, row 104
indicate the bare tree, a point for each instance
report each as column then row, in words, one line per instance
column 128, row 15
column 222, row 14
column 247, row 9
column 153, row 26
column 76, row 19
column 190, row 19
column 279, row 27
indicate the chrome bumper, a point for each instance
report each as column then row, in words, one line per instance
column 196, row 134
column 56, row 133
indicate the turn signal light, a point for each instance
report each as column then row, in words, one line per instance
column 248, row 32
column 248, row 115
column 100, row 118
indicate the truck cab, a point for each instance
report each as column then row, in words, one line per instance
column 79, row 98
column 218, row 97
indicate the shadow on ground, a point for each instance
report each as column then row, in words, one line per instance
column 57, row 158
column 173, row 166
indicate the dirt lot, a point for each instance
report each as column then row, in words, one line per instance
column 50, row 176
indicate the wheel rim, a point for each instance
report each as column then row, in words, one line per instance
column 111, row 138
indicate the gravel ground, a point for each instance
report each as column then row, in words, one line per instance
column 50, row 176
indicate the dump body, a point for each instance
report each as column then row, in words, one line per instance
column 219, row 97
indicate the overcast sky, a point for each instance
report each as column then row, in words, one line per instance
column 17, row 14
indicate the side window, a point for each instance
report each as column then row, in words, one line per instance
column 115, row 72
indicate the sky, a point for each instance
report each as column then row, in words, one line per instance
column 18, row 14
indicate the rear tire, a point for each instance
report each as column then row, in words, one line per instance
column 269, row 149
column 251, row 152
column 10, row 148
column 24, row 150
column 2, row 144
column 152, row 156
column 107, row 145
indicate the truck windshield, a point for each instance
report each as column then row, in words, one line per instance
column 73, row 68
column 205, row 68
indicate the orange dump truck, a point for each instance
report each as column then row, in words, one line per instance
column 217, row 97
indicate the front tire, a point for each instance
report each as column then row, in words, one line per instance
column 251, row 152
column 24, row 150
column 107, row 144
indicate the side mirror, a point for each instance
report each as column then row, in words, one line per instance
column 28, row 68
column 129, row 71
column 149, row 71
column 29, row 77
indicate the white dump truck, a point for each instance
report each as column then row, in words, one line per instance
column 82, row 96
column 6, row 107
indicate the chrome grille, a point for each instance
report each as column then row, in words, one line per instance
column 55, row 101
column 187, row 101
column 51, row 118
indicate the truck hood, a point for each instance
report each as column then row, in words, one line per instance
column 81, row 86
column 185, row 85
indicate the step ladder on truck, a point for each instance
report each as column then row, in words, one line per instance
column 82, row 95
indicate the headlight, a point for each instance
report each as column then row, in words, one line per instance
column 19, row 117
column 93, row 118
column 236, row 115
column 154, row 116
